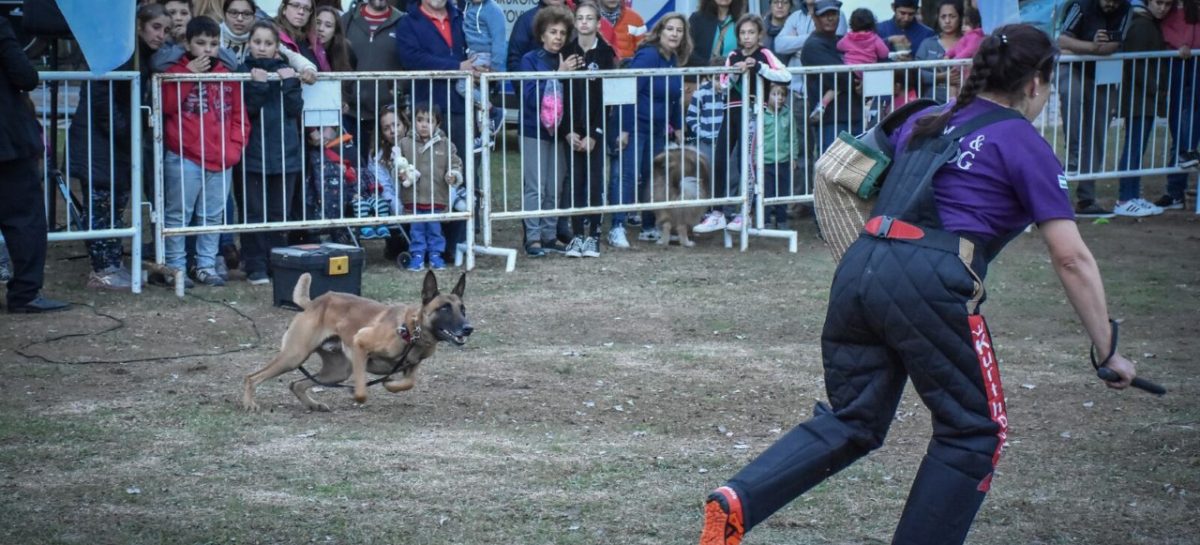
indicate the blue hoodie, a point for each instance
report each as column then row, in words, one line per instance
column 484, row 25
column 421, row 47
column 658, row 97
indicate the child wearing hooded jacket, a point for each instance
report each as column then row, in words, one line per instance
column 862, row 45
column 205, row 128
column 440, row 168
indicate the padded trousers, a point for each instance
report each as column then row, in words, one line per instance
column 896, row 311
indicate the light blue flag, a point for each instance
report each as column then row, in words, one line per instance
column 104, row 31
column 997, row 13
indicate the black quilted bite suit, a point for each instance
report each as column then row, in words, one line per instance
column 904, row 305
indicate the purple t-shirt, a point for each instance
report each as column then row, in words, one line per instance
column 1005, row 177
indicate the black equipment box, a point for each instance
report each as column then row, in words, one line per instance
column 334, row 267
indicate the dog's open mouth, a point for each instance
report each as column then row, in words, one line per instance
column 456, row 339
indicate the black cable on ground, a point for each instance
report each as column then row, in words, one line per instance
column 120, row 324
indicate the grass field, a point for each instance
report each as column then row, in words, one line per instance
column 598, row 402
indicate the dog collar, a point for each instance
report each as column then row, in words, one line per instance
column 407, row 336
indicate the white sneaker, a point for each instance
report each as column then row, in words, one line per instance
column 575, row 248
column 1132, row 209
column 616, row 237
column 736, row 224
column 591, row 247
column 1154, row 208
column 713, row 221
column 650, row 234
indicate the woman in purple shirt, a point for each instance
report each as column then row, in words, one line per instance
column 905, row 303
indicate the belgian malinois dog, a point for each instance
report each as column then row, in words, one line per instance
column 354, row 335
column 680, row 173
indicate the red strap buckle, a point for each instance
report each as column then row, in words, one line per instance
column 889, row 227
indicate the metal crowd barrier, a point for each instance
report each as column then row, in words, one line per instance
column 94, row 188
column 336, row 188
column 549, row 179
column 1092, row 122
column 543, row 176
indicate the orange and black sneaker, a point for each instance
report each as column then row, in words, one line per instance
column 723, row 520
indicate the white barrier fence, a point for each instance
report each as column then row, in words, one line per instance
column 596, row 156
column 95, row 186
column 1121, row 116
column 351, row 157
column 584, row 144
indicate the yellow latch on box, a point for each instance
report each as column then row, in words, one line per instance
column 339, row 265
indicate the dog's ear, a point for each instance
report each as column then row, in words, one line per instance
column 461, row 286
column 430, row 289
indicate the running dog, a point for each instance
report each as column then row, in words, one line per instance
column 354, row 335
column 679, row 173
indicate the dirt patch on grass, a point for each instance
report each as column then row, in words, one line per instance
column 598, row 402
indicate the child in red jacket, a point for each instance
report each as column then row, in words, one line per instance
column 205, row 130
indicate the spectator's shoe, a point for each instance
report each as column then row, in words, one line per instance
column 591, row 247
column 781, row 225
column 534, row 249
column 436, row 262
column 169, row 281
column 38, row 305
column 221, row 268
column 633, row 220
column 1189, row 159
column 112, row 278
column 232, row 257
column 367, row 233
column 723, row 520
column 258, row 278
column 1167, row 202
column 382, row 232
column 208, row 277
column 1133, row 209
column 553, row 246
column 736, row 224
column 713, row 221
column 1089, row 209
column 416, row 263
column 1154, row 208
column 575, row 248
column 616, row 237
column 5, row 264
column 650, row 234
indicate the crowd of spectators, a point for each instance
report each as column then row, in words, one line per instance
column 234, row 151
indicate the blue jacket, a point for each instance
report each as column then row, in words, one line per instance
column 534, row 92
column 658, row 97
column 420, row 47
column 522, row 40
column 484, row 26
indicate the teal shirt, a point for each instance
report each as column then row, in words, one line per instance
column 780, row 141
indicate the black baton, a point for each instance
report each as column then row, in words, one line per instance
column 1108, row 375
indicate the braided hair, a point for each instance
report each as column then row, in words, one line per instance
column 1006, row 61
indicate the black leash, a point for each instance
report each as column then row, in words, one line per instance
column 1108, row 375
column 410, row 340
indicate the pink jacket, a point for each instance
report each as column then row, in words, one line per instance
column 862, row 47
column 1177, row 32
column 967, row 45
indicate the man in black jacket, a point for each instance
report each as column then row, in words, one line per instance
column 22, row 217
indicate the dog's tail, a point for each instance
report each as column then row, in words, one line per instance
column 300, row 292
